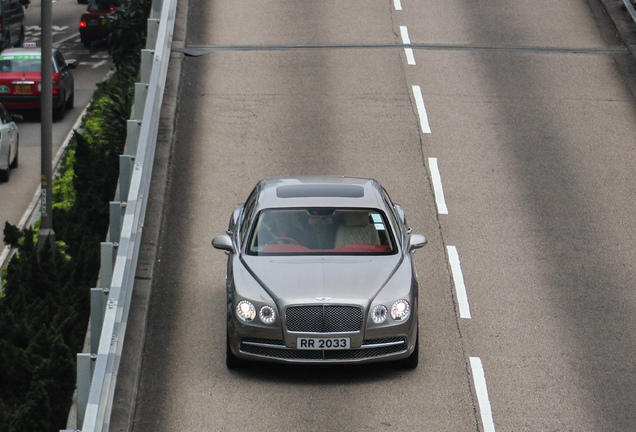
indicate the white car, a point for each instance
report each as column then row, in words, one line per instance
column 9, row 143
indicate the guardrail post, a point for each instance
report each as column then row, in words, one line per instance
column 126, row 163
column 98, row 306
column 107, row 263
column 132, row 135
column 141, row 92
column 153, row 31
column 156, row 8
column 115, row 221
column 84, row 376
column 147, row 57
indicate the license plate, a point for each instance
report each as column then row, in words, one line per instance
column 323, row 343
column 22, row 89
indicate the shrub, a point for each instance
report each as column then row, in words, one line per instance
column 44, row 308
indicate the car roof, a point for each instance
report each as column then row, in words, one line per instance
column 24, row 51
column 319, row 191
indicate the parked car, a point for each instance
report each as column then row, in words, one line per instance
column 21, row 80
column 94, row 23
column 12, row 22
column 9, row 143
column 319, row 271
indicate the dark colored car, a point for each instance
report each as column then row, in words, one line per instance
column 320, row 271
column 21, row 81
column 12, row 22
column 94, row 23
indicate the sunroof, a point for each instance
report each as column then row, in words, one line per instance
column 320, row 190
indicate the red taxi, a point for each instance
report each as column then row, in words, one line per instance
column 94, row 23
column 21, row 81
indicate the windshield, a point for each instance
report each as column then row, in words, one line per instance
column 20, row 63
column 321, row 231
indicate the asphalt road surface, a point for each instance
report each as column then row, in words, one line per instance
column 507, row 131
column 92, row 67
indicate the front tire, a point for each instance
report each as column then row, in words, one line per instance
column 70, row 103
column 5, row 174
column 14, row 164
column 58, row 113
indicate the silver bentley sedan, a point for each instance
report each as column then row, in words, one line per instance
column 320, row 271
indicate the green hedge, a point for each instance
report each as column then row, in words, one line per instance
column 44, row 309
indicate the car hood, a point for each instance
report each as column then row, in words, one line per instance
column 342, row 278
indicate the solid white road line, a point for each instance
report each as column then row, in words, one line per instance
column 482, row 394
column 397, row 4
column 458, row 279
column 421, row 109
column 410, row 59
column 437, row 186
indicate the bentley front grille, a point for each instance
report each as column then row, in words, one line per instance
column 323, row 319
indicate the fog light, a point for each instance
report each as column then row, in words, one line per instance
column 379, row 314
column 400, row 310
column 267, row 314
column 245, row 311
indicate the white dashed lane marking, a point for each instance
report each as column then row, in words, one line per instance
column 421, row 109
column 458, row 279
column 436, row 178
column 404, row 32
column 477, row 368
column 479, row 378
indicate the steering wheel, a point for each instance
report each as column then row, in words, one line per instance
column 283, row 240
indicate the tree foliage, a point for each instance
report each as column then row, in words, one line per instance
column 44, row 307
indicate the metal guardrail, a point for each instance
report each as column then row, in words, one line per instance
column 630, row 9
column 97, row 371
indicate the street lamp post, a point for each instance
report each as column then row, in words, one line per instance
column 46, row 202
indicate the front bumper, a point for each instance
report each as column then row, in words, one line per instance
column 386, row 344
column 372, row 350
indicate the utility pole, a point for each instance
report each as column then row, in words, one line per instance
column 46, row 110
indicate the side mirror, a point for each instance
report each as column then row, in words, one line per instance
column 223, row 242
column 416, row 241
column 72, row 65
column 17, row 117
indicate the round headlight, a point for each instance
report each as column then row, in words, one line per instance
column 245, row 311
column 379, row 314
column 267, row 314
column 400, row 310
